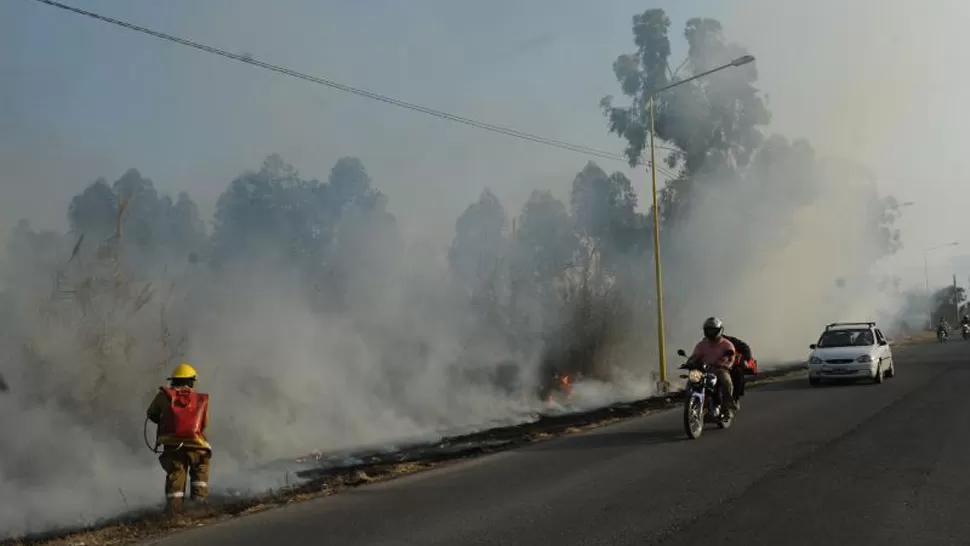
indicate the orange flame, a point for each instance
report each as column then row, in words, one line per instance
column 562, row 383
column 566, row 383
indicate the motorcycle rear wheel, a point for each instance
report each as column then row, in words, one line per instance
column 693, row 417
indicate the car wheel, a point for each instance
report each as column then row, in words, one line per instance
column 892, row 371
column 814, row 381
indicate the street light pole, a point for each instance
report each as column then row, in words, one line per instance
column 956, row 302
column 663, row 384
column 661, row 334
column 926, row 275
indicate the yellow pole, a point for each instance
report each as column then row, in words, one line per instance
column 661, row 341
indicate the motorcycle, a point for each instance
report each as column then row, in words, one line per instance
column 965, row 329
column 942, row 334
column 703, row 403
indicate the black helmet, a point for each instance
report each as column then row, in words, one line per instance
column 713, row 328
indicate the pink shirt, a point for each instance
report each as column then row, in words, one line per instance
column 710, row 352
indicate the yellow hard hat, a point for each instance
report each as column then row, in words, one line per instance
column 183, row 371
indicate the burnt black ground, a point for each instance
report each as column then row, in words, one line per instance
column 855, row 464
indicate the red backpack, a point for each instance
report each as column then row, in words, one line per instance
column 186, row 415
column 751, row 368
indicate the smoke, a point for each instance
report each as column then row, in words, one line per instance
column 776, row 271
column 778, row 236
column 385, row 337
column 878, row 82
column 868, row 83
column 373, row 346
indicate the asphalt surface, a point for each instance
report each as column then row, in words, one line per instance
column 855, row 465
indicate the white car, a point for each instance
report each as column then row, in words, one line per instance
column 850, row 350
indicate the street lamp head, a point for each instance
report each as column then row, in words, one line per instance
column 954, row 243
column 742, row 60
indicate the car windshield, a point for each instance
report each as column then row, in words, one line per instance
column 846, row 338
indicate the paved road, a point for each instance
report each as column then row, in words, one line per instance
column 860, row 464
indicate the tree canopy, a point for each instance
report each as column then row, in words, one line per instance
column 713, row 121
column 716, row 126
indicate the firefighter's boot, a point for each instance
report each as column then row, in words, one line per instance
column 173, row 506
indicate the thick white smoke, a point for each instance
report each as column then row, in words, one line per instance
column 401, row 360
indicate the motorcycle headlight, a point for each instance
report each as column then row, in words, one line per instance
column 864, row 359
column 815, row 360
column 695, row 376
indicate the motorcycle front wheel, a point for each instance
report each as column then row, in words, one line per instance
column 693, row 417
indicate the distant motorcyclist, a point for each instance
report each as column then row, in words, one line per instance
column 942, row 330
column 742, row 362
column 943, row 325
column 718, row 352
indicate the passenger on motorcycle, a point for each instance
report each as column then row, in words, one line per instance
column 718, row 352
column 743, row 362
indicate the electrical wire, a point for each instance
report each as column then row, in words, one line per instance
column 251, row 60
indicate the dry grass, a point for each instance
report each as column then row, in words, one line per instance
column 324, row 482
column 921, row 337
column 138, row 527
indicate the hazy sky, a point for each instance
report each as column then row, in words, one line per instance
column 83, row 99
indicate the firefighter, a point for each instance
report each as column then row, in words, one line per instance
column 182, row 415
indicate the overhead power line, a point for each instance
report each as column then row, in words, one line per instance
column 249, row 59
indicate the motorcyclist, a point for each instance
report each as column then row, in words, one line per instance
column 943, row 325
column 739, row 369
column 965, row 320
column 942, row 329
column 718, row 352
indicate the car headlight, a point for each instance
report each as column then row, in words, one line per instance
column 695, row 376
column 864, row 359
column 815, row 360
